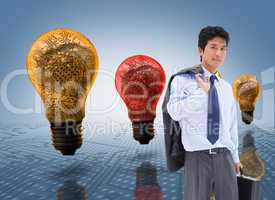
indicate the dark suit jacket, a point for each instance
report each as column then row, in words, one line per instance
column 175, row 153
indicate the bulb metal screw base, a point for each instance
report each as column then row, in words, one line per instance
column 247, row 116
column 67, row 136
column 143, row 131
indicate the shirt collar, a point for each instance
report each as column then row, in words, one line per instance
column 208, row 73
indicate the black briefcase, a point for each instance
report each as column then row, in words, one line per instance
column 249, row 188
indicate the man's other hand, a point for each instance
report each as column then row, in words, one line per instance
column 238, row 167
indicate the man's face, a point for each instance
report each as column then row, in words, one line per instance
column 214, row 52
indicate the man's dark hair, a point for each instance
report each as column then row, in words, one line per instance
column 209, row 32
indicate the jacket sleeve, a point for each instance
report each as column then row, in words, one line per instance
column 178, row 94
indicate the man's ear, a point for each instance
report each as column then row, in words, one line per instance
column 200, row 50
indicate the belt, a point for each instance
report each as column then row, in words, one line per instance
column 214, row 150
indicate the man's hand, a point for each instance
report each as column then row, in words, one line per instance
column 238, row 167
column 203, row 83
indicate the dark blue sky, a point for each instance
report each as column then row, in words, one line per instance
column 164, row 30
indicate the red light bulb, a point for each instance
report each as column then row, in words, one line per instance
column 140, row 81
column 147, row 186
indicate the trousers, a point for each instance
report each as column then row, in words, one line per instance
column 205, row 173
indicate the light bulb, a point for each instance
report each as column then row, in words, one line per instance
column 253, row 165
column 147, row 186
column 246, row 89
column 62, row 65
column 71, row 189
column 140, row 81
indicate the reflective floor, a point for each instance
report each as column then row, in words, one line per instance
column 106, row 167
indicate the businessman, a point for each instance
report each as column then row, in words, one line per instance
column 205, row 108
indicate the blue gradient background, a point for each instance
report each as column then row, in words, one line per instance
column 166, row 31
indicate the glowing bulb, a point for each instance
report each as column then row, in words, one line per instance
column 140, row 81
column 62, row 65
column 246, row 89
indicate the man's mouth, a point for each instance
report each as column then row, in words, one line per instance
column 215, row 60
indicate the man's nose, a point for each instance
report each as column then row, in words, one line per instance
column 219, row 53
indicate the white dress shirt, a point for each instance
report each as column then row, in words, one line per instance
column 188, row 105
